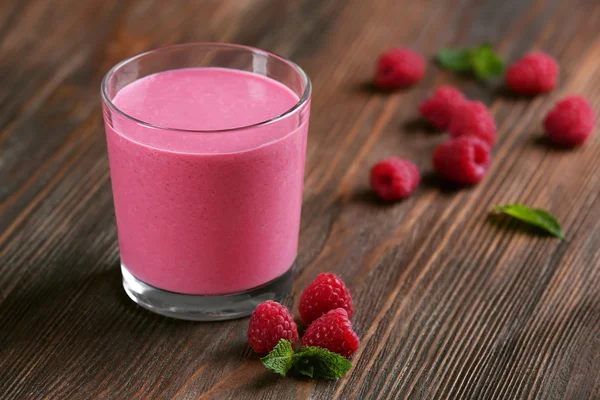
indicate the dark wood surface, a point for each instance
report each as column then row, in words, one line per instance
column 450, row 303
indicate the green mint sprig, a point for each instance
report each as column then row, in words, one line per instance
column 533, row 216
column 482, row 60
column 281, row 358
column 311, row 361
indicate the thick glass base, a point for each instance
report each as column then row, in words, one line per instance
column 205, row 308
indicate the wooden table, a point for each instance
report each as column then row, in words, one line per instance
column 450, row 303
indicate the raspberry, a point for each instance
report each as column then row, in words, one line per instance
column 473, row 118
column 394, row 178
column 441, row 106
column 327, row 292
column 463, row 160
column 534, row 73
column 269, row 323
column 399, row 68
column 333, row 331
column 570, row 122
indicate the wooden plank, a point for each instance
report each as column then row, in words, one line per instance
column 450, row 303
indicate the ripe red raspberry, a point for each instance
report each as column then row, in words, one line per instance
column 441, row 106
column 327, row 292
column 534, row 73
column 463, row 160
column 333, row 331
column 394, row 179
column 570, row 122
column 473, row 118
column 399, row 68
column 269, row 323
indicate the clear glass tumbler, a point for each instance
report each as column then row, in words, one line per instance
column 208, row 220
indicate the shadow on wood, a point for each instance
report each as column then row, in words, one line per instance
column 432, row 180
column 368, row 87
column 541, row 140
column 418, row 124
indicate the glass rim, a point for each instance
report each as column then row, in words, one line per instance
column 298, row 105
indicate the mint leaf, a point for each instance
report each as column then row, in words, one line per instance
column 281, row 358
column 482, row 60
column 320, row 363
column 304, row 367
column 534, row 216
column 314, row 362
column 455, row 59
column 486, row 63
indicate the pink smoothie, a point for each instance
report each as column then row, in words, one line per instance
column 207, row 212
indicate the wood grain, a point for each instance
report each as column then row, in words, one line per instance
column 451, row 304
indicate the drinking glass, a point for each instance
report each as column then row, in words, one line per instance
column 207, row 220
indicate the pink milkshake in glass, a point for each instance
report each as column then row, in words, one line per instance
column 207, row 147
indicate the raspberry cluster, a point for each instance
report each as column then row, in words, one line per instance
column 325, row 306
column 465, row 158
